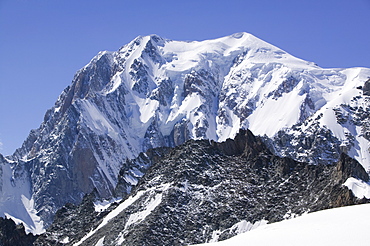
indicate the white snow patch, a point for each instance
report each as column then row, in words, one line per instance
column 290, row 215
column 359, row 187
column 97, row 121
column 188, row 104
column 238, row 228
column 215, row 235
column 38, row 224
column 131, row 180
column 120, row 239
column 147, row 109
column 228, row 131
column 184, row 186
column 57, row 109
column 244, row 226
column 115, row 83
column 65, row 240
column 101, row 206
column 329, row 119
column 100, row 242
column 139, row 216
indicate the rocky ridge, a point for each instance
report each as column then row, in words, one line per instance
column 12, row 234
column 204, row 191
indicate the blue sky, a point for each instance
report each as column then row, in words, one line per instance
column 44, row 42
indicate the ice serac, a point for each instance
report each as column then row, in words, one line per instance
column 156, row 92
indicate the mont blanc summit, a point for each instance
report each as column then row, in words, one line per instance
column 155, row 92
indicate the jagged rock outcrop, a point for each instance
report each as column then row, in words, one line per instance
column 73, row 220
column 204, row 191
column 132, row 170
column 12, row 234
column 366, row 88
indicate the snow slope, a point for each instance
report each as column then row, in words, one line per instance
column 16, row 202
column 360, row 188
column 339, row 226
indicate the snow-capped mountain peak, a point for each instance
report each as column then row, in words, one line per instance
column 156, row 92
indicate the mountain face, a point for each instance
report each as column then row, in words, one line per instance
column 155, row 92
column 205, row 191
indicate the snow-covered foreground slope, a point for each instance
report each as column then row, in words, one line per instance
column 157, row 92
column 339, row 226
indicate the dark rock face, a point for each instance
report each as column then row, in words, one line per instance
column 316, row 145
column 12, row 234
column 245, row 144
column 133, row 170
column 347, row 167
column 202, row 191
column 366, row 88
column 285, row 87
